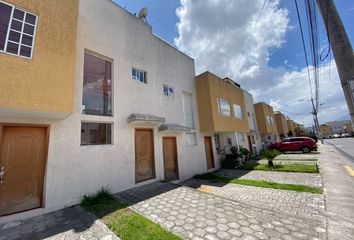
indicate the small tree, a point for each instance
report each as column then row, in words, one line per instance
column 270, row 155
column 290, row 133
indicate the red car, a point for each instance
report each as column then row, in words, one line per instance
column 304, row 144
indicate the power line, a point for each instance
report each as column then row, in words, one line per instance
column 304, row 47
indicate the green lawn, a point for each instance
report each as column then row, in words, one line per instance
column 125, row 223
column 255, row 183
column 280, row 167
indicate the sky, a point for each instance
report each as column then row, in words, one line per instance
column 266, row 58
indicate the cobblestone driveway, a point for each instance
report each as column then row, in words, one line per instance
column 310, row 179
column 198, row 215
column 298, row 203
column 70, row 223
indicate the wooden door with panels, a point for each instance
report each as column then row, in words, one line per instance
column 23, row 155
column 170, row 158
column 209, row 152
column 144, row 155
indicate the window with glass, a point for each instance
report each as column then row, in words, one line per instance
column 238, row 111
column 17, row 30
column 191, row 139
column 139, row 75
column 188, row 109
column 241, row 137
column 217, row 141
column 96, row 133
column 97, row 89
column 168, row 91
column 224, row 107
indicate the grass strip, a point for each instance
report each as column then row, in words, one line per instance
column 292, row 159
column 310, row 153
column 125, row 223
column 281, row 167
column 256, row 183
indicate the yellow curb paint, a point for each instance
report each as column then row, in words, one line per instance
column 205, row 189
column 350, row 170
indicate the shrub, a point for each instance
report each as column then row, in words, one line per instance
column 230, row 161
column 270, row 155
column 245, row 152
column 92, row 199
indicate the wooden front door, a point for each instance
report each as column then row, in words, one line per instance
column 144, row 155
column 250, row 144
column 209, row 152
column 22, row 165
column 170, row 158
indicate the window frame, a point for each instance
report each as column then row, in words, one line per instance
column 98, row 55
column 192, row 108
column 196, row 139
column 233, row 108
column 138, row 78
column 97, row 144
column 168, row 91
column 35, row 25
column 218, row 100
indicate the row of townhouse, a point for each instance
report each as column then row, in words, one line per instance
column 91, row 98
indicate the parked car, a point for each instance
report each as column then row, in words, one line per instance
column 336, row 135
column 304, row 144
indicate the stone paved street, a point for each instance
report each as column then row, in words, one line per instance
column 198, row 215
column 70, row 223
column 310, row 179
column 298, row 203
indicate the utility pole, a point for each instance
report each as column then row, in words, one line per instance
column 342, row 50
column 315, row 120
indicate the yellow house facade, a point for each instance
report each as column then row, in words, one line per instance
column 38, row 40
column 222, row 111
column 266, row 123
column 282, row 127
column 291, row 126
column 37, row 55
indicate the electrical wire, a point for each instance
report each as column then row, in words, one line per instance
column 304, row 47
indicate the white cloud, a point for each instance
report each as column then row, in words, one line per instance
column 214, row 33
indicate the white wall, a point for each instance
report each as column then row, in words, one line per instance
column 252, row 123
column 74, row 170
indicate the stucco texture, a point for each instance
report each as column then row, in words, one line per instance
column 45, row 82
column 209, row 88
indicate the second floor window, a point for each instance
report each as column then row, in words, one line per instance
column 168, row 91
column 139, row 75
column 188, row 110
column 17, row 30
column 238, row 111
column 224, row 107
column 97, row 89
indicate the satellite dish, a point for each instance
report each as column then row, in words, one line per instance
column 143, row 14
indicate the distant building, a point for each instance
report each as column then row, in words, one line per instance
column 282, row 127
column 266, row 123
column 340, row 127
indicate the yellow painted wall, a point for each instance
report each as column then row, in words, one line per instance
column 280, row 120
column 291, row 125
column 45, row 82
column 209, row 88
column 262, row 110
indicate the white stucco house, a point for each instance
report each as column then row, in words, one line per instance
column 256, row 142
column 135, row 117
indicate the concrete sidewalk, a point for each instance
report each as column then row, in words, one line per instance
column 339, row 194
